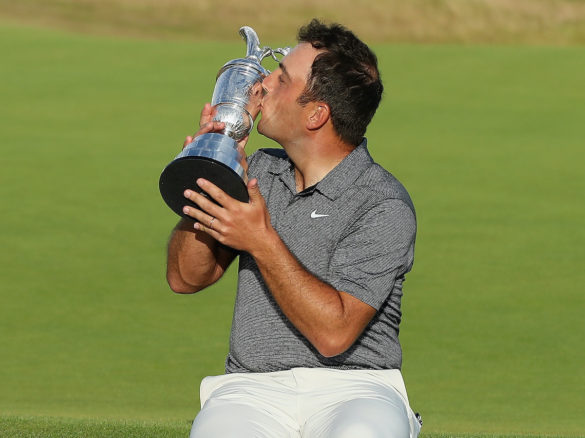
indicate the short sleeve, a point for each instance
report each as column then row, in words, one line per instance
column 377, row 249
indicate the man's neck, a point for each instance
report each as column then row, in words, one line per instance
column 315, row 161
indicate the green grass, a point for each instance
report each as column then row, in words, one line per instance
column 488, row 140
column 46, row 427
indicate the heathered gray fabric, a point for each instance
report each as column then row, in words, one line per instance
column 364, row 246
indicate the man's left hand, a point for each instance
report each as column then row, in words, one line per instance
column 239, row 225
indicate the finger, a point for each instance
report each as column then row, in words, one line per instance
column 188, row 140
column 254, row 191
column 198, row 215
column 212, row 232
column 212, row 126
column 204, row 222
column 206, row 205
column 243, row 142
column 206, row 114
column 218, row 195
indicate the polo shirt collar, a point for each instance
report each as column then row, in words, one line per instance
column 337, row 180
column 285, row 169
column 345, row 173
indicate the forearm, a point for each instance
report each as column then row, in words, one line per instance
column 330, row 319
column 194, row 259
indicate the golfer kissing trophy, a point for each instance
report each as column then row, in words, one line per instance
column 215, row 156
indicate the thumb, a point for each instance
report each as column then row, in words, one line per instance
column 254, row 191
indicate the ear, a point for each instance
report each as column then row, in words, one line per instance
column 318, row 115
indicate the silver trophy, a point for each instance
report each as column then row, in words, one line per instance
column 215, row 156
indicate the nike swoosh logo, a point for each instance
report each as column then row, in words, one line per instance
column 315, row 215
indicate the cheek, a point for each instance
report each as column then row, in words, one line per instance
column 284, row 105
column 280, row 111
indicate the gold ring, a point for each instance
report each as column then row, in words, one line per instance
column 211, row 223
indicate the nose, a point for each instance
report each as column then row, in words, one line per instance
column 266, row 83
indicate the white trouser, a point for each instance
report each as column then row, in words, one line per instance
column 307, row 403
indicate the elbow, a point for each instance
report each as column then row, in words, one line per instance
column 331, row 345
column 179, row 286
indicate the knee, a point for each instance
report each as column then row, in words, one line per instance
column 344, row 430
column 371, row 419
column 362, row 429
column 211, row 422
column 234, row 420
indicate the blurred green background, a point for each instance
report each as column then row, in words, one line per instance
column 488, row 138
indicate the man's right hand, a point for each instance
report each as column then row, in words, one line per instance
column 207, row 124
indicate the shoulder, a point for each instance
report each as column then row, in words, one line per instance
column 267, row 159
column 365, row 183
column 384, row 187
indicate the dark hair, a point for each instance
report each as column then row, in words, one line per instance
column 345, row 76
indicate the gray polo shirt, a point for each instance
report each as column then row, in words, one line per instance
column 354, row 230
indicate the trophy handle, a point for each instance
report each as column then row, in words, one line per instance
column 281, row 51
column 253, row 49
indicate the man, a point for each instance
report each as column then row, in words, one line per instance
column 324, row 244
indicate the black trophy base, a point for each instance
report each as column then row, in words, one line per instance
column 182, row 174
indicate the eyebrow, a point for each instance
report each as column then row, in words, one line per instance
column 283, row 68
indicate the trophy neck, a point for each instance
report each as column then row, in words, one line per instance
column 250, row 65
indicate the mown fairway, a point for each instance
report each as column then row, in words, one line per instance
column 488, row 140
